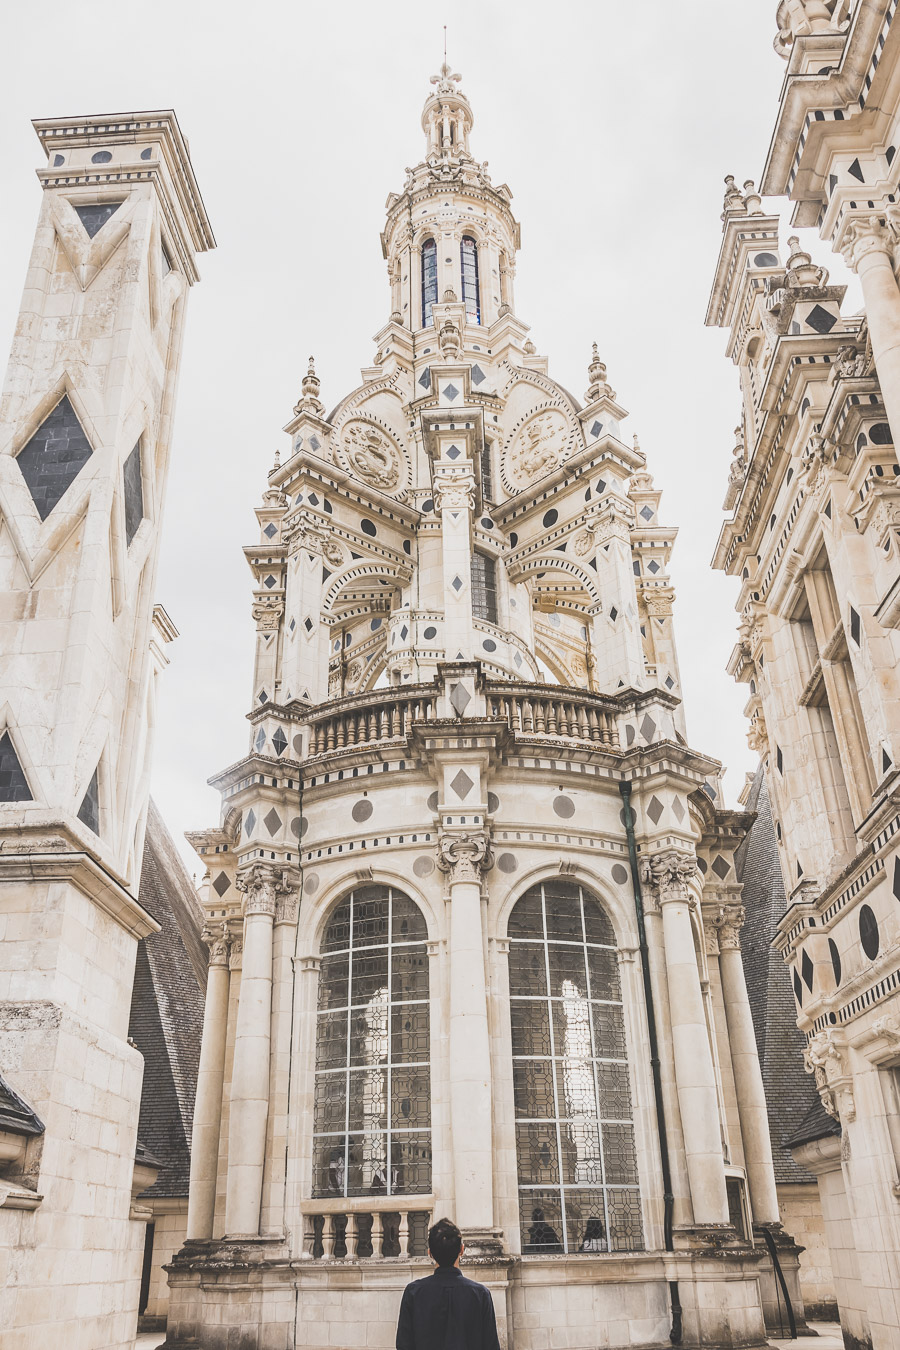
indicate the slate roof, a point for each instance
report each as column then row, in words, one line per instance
column 16, row 1115
column 790, row 1091
column 816, row 1124
column 167, row 1008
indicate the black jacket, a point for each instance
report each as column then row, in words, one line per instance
column 446, row 1311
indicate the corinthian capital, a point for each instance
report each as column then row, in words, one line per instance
column 728, row 921
column 864, row 235
column 264, row 885
column 216, row 939
column 668, row 874
column 454, row 490
column 465, row 856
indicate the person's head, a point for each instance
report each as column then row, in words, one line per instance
column 445, row 1242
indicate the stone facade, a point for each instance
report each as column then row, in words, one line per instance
column 813, row 492
column 85, row 429
column 469, row 868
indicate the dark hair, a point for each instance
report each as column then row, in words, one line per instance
column 444, row 1242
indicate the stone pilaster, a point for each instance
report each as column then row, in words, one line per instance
column 210, row 1080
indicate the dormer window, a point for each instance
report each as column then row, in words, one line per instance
column 468, row 251
column 429, row 280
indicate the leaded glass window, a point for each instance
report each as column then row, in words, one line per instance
column 484, row 587
column 487, row 475
column 578, row 1180
column 429, row 280
column 372, row 1115
column 468, row 257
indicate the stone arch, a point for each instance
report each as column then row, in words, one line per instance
column 372, row 571
column 557, row 562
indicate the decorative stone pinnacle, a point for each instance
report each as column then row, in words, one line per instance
column 599, row 386
column 309, row 399
column 752, row 199
column 733, row 199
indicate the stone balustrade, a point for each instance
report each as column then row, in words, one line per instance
column 545, row 710
column 368, row 719
column 390, row 1227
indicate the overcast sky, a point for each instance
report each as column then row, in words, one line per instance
column 614, row 125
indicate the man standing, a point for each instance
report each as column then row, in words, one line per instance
column 446, row 1311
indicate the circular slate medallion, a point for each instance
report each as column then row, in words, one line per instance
column 311, row 883
column 493, row 802
column 507, row 862
column 362, row 810
column 564, row 807
column 619, row 874
column 423, row 867
column 432, row 802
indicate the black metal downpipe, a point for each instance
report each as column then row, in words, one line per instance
column 668, row 1197
column 779, row 1275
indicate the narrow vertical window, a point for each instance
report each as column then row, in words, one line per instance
column 484, row 587
column 578, row 1180
column 429, row 280
column 487, row 477
column 372, row 1131
column 468, row 252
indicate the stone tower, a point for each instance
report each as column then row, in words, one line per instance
column 85, row 434
column 814, row 538
column 437, row 950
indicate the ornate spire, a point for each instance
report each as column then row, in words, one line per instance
column 447, row 118
column 599, row 387
column 309, row 399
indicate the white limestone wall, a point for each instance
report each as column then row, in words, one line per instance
column 803, row 1218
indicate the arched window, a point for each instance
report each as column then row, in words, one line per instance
column 429, row 280
column 578, row 1182
column 468, row 255
column 372, row 1127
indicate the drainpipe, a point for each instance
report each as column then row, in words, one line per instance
column 668, row 1196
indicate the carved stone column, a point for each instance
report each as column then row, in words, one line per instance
column 617, row 645
column 669, row 873
column 210, row 1080
column 868, row 247
column 465, row 857
column 748, row 1082
column 250, row 1071
column 454, row 502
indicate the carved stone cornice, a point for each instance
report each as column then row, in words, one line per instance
column 465, row 855
column 668, row 874
column 827, row 1058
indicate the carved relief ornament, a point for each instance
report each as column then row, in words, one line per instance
column 264, row 885
column 826, row 1058
column 465, row 856
column 668, row 874
column 538, row 447
column 218, row 942
column 454, row 491
column 267, row 611
column 370, row 454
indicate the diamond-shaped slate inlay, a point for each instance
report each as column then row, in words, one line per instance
column 314, row 443
column 454, row 452
column 270, row 582
column 460, row 698
column 669, row 682
column 457, row 584
column 613, row 613
column 647, row 512
column 647, row 727
column 13, row 783
column 272, row 821
column 95, row 216
column 425, row 378
column 250, row 822
column 677, row 809
column 653, row 566
column 133, row 491
column 89, row 810
column 221, row 885
column 819, row 320
column 806, row 970
column 451, row 392
column 462, row 784
column 308, row 624
column 404, row 633
column 596, row 428
column 270, row 531
column 53, row 458
column 478, row 375
column 721, row 867
column 279, row 740
column 260, row 739
column 655, row 809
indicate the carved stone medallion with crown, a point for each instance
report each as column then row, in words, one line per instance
column 369, row 452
